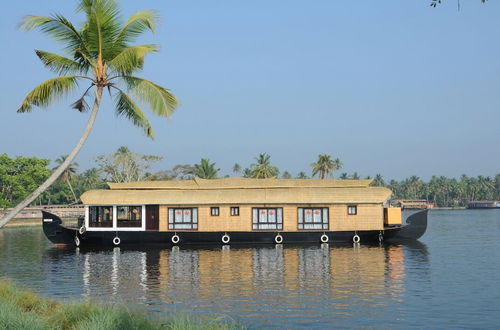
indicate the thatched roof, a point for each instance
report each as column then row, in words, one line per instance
column 239, row 191
column 239, row 183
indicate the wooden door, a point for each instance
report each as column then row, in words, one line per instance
column 152, row 217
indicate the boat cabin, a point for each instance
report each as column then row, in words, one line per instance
column 240, row 205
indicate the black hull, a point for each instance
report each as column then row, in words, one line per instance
column 60, row 235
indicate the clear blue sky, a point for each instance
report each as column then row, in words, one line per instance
column 391, row 87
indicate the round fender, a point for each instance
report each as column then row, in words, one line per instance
column 278, row 239
column 225, row 238
column 356, row 238
column 324, row 238
column 116, row 241
column 175, row 239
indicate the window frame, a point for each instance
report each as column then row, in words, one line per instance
column 236, row 210
column 130, row 207
column 172, row 211
column 324, row 216
column 256, row 223
column 214, row 211
column 88, row 213
column 114, row 217
column 349, row 210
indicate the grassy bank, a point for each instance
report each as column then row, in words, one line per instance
column 22, row 309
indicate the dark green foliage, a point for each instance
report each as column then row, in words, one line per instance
column 443, row 191
column 19, row 177
column 205, row 169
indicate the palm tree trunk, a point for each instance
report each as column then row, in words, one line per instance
column 72, row 191
column 53, row 177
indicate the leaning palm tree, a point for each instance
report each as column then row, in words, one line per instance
column 205, row 169
column 100, row 53
column 68, row 175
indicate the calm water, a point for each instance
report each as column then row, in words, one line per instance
column 450, row 279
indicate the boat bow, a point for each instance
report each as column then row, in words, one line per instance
column 416, row 225
column 55, row 231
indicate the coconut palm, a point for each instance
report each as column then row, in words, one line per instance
column 100, row 53
column 378, row 181
column 325, row 166
column 91, row 178
column 236, row 168
column 286, row 175
column 69, row 174
column 302, row 175
column 205, row 169
column 263, row 168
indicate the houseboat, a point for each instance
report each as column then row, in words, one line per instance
column 236, row 210
column 483, row 205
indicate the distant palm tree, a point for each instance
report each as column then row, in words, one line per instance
column 337, row 165
column 378, row 181
column 236, row 168
column 69, row 174
column 100, row 53
column 325, row 166
column 263, row 168
column 91, row 178
column 302, row 175
column 247, row 173
column 344, row 176
column 205, row 169
column 286, row 175
column 354, row 176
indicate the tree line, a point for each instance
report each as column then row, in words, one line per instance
column 19, row 176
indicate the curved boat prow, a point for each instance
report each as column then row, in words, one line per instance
column 55, row 232
column 416, row 225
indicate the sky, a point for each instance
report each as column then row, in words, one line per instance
column 391, row 87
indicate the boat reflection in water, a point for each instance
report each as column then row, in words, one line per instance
column 255, row 285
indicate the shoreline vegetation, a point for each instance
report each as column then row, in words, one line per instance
column 21, row 175
column 23, row 309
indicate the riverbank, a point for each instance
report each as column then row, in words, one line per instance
column 22, row 309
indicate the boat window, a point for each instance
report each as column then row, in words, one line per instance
column 183, row 218
column 235, row 210
column 101, row 216
column 129, row 216
column 267, row 219
column 352, row 210
column 313, row 218
column 214, row 211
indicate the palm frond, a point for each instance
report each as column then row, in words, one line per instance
column 56, row 26
column 131, row 58
column 60, row 28
column 59, row 64
column 126, row 107
column 161, row 101
column 137, row 24
column 102, row 26
column 48, row 91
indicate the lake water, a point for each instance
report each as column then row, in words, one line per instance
column 448, row 279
